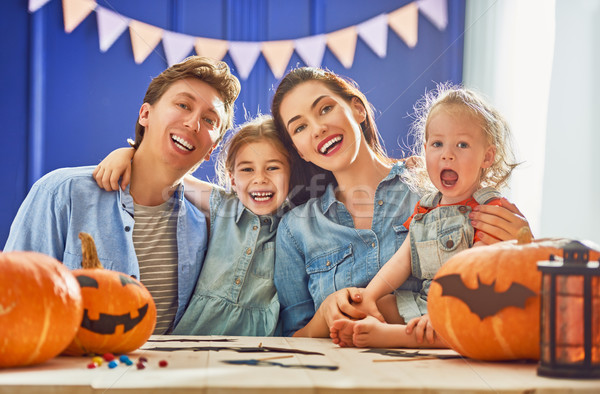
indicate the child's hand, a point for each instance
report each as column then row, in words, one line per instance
column 114, row 166
column 422, row 328
column 368, row 305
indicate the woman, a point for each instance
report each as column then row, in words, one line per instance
column 353, row 225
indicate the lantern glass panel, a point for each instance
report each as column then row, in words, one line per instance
column 569, row 319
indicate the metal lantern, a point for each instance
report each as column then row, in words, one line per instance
column 570, row 315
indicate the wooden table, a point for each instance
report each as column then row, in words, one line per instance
column 203, row 371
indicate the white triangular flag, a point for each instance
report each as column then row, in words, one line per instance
column 311, row 49
column 75, row 11
column 343, row 45
column 177, row 46
column 436, row 11
column 405, row 22
column 211, row 47
column 374, row 33
column 278, row 54
column 35, row 5
column 110, row 27
column 144, row 38
column 244, row 55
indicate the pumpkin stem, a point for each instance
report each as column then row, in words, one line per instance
column 524, row 236
column 88, row 250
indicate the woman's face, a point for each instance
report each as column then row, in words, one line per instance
column 324, row 128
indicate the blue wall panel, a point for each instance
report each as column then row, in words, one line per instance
column 65, row 103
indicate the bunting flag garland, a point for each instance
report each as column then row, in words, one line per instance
column 244, row 54
column 110, row 27
column 343, row 44
column 211, row 47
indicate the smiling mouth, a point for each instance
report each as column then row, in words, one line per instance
column 327, row 146
column 449, row 178
column 261, row 196
column 181, row 143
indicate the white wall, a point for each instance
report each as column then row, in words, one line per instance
column 534, row 59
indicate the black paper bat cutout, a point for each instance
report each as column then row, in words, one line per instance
column 404, row 353
column 263, row 363
column 484, row 301
column 258, row 349
column 107, row 324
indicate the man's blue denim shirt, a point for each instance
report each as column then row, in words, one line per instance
column 67, row 201
column 318, row 250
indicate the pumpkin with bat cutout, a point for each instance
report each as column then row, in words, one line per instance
column 119, row 313
column 485, row 301
column 40, row 308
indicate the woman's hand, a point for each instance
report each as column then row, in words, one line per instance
column 341, row 305
column 114, row 166
column 497, row 223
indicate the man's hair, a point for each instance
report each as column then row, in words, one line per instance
column 214, row 73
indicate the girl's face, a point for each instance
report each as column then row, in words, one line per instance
column 324, row 128
column 261, row 177
column 455, row 152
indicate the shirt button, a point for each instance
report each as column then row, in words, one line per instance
column 127, row 228
column 462, row 209
column 328, row 263
column 238, row 281
column 248, row 251
column 449, row 243
column 254, row 227
column 266, row 221
column 380, row 202
column 373, row 244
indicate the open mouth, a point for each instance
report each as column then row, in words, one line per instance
column 330, row 144
column 449, row 178
column 181, row 143
column 261, row 196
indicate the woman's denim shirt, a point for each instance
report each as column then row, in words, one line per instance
column 318, row 250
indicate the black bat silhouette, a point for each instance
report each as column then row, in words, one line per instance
column 484, row 301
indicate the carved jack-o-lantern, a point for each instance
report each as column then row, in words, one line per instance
column 485, row 301
column 119, row 312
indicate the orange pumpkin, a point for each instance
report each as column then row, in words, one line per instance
column 40, row 308
column 119, row 313
column 485, row 301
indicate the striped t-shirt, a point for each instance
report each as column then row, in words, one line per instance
column 155, row 243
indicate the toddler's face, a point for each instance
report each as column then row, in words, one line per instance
column 455, row 152
column 261, row 177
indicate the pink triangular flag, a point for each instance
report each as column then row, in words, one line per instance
column 278, row 54
column 177, row 46
column 405, row 22
column 244, row 55
column 343, row 44
column 144, row 38
column 75, row 11
column 311, row 49
column 110, row 27
column 436, row 11
column 210, row 47
column 374, row 33
column 35, row 5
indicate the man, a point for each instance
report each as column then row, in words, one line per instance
column 149, row 230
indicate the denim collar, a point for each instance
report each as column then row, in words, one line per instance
column 125, row 199
column 274, row 217
column 328, row 198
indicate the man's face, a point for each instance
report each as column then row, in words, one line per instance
column 182, row 127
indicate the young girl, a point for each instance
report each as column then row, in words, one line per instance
column 354, row 223
column 235, row 294
column 467, row 152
